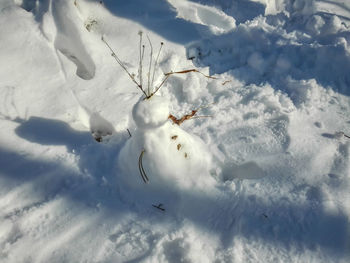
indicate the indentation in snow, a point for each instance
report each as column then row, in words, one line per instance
column 69, row 39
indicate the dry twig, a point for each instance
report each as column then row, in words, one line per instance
column 160, row 207
column 123, row 66
column 188, row 116
column 141, row 169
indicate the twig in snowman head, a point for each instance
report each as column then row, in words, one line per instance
column 156, row 63
column 151, row 90
column 148, row 94
column 150, row 66
column 132, row 77
column 167, row 75
column 142, row 52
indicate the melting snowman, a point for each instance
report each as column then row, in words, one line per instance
column 160, row 160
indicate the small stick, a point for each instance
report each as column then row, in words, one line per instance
column 188, row 71
column 160, row 207
column 347, row 136
column 202, row 116
column 141, row 169
column 167, row 75
column 129, row 132
column 189, row 116
column 141, row 58
column 161, row 84
column 150, row 66
column 122, row 65
column 181, row 120
column 156, row 62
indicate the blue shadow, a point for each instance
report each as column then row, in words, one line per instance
column 158, row 16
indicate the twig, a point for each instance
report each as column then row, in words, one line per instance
column 181, row 120
column 167, row 75
column 189, row 116
column 346, row 136
column 141, row 58
column 160, row 207
column 123, row 66
column 156, row 62
column 129, row 132
column 141, row 169
column 202, row 116
column 188, row 71
column 150, row 66
column 161, row 84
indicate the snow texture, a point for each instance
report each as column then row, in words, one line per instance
column 93, row 171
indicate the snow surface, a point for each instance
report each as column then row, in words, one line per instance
column 260, row 174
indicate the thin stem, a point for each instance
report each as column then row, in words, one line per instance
column 141, row 51
column 347, row 136
column 202, row 116
column 123, row 66
column 205, row 106
column 141, row 169
column 161, row 84
column 156, row 62
column 150, row 66
column 160, row 207
column 188, row 71
column 167, row 75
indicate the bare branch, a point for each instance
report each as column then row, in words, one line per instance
column 150, row 66
column 156, row 62
column 141, row 52
column 161, row 84
column 123, row 66
column 189, row 116
column 188, row 71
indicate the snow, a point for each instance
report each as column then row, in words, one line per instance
column 259, row 174
column 151, row 113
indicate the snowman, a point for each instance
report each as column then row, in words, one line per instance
column 160, row 160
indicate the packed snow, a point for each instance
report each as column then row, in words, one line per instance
column 232, row 145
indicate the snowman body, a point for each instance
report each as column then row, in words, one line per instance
column 173, row 160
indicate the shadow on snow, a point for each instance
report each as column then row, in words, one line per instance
column 256, row 55
column 158, row 16
column 240, row 10
column 226, row 214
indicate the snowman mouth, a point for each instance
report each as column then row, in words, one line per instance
column 141, row 168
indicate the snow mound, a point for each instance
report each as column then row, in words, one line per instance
column 216, row 19
column 273, row 49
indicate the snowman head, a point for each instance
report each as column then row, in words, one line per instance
column 151, row 113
